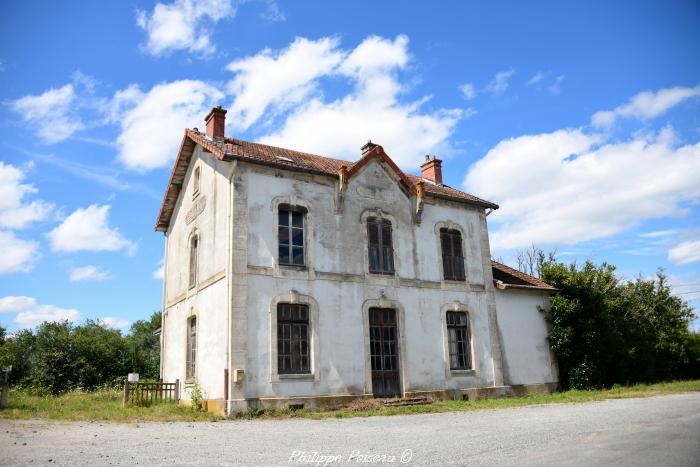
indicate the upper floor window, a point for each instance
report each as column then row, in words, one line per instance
column 458, row 340
column 379, row 248
column 290, row 234
column 452, row 256
column 196, row 181
column 194, row 259
column 191, row 358
column 292, row 339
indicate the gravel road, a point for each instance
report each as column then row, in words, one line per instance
column 656, row 431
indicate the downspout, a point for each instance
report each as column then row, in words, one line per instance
column 162, row 311
column 229, row 292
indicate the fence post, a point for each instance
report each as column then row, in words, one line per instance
column 177, row 390
column 126, row 393
column 5, row 386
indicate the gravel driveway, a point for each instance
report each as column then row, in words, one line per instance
column 654, row 431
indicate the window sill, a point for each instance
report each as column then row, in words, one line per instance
column 382, row 274
column 455, row 281
column 293, row 267
column 459, row 373
column 190, row 382
column 296, row 377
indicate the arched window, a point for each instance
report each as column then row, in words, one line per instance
column 196, row 182
column 452, row 256
column 191, row 358
column 458, row 340
column 194, row 259
column 379, row 247
column 290, row 235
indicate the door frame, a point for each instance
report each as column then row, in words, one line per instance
column 400, row 340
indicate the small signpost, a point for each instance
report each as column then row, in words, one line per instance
column 5, row 386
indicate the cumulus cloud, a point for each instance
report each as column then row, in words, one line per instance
column 16, row 254
column 570, row 186
column 468, row 91
column 15, row 212
column 183, row 25
column 31, row 313
column 499, row 83
column 372, row 108
column 88, row 273
column 88, row 230
column 685, row 252
column 646, row 105
column 119, row 324
column 52, row 114
column 152, row 122
column 278, row 79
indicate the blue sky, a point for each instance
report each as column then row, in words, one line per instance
column 581, row 120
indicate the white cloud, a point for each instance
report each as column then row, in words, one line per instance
column 16, row 254
column 51, row 114
column 499, row 83
column 536, row 78
column 371, row 110
column 554, row 88
column 30, row 313
column 15, row 213
column 183, row 25
column 88, row 230
column 159, row 273
column 685, row 252
column 278, row 79
column 114, row 323
column 88, row 273
column 566, row 187
column 152, row 123
column 272, row 12
column 659, row 233
column 468, row 91
column 645, row 105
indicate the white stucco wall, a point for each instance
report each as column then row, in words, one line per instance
column 208, row 300
column 527, row 358
column 337, row 279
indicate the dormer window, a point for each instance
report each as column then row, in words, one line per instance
column 196, row 182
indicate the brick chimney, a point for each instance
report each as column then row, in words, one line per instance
column 432, row 169
column 216, row 120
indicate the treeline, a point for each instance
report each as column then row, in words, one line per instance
column 606, row 331
column 61, row 356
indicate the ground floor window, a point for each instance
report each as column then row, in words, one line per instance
column 458, row 340
column 292, row 339
column 191, row 360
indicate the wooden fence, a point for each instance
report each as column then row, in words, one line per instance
column 148, row 393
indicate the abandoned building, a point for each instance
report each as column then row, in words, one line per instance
column 292, row 278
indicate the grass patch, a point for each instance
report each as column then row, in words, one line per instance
column 370, row 408
column 102, row 405
column 106, row 405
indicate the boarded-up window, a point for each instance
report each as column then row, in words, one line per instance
column 452, row 257
column 458, row 340
column 292, row 339
column 290, row 232
column 191, row 362
column 379, row 248
column 194, row 260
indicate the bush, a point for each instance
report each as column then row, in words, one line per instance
column 60, row 356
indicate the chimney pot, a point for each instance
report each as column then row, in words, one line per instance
column 216, row 122
column 368, row 147
column 432, row 169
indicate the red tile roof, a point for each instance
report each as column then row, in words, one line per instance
column 235, row 149
column 507, row 277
